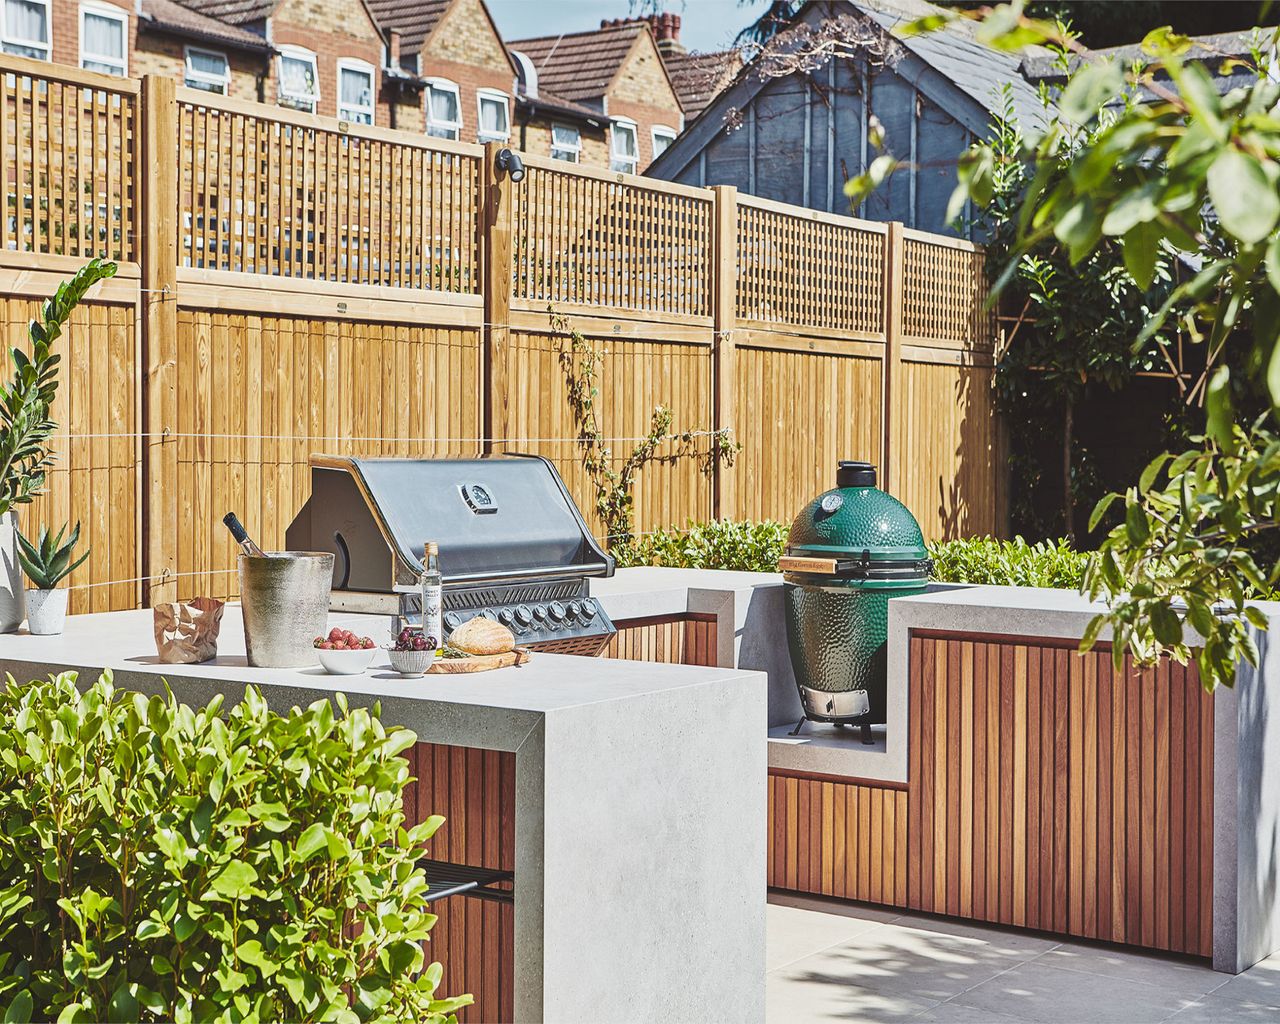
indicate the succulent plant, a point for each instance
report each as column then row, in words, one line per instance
column 48, row 560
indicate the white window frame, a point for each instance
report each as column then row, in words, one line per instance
column 203, row 78
column 296, row 101
column 7, row 40
column 362, row 67
column 661, row 131
column 575, row 150
column 451, row 129
column 501, row 97
column 614, row 157
column 116, row 14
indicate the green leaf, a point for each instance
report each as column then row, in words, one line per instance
column 1136, row 525
column 311, row 842
column 1090, row 90
column 1142, row 251
column 236, row 880
column 20, row 1008
column 1244, row 195
column 1100, row 509
column 1219, row 412
column 1273, row 262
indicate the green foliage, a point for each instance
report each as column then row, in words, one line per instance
column 160, row 863
column 48, row 560
column 25, row 400
column 615, row 487
column 1009, row 563
column 744, row 545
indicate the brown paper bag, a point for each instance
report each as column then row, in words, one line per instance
column 187, row 632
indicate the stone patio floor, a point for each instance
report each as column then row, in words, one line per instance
column 828, row 961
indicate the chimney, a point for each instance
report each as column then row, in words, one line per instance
column 393, row 48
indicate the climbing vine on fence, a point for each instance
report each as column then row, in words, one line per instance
column 613, row 476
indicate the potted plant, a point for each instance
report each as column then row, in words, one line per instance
column 26, row 427
column 46, row 563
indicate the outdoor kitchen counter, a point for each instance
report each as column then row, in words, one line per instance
column 639, row 860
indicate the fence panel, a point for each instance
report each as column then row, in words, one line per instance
column 293, row 195
column 610, row 240
column 801, row 267
column 258, row 395
column 67, row 161
column 943, row 292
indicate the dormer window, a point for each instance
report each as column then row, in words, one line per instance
column 528, row 74
column 355, row 91
column 495, row 125
column 299, row 81
column 444, row 110
column 103, row 34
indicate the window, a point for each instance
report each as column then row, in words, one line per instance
column 355, row 91
column 299, row 82
column 26, row 28
column 444, row 111
column 103, row 31
column 207, row 70
column 662, row 138
column 566, row 143
column 494, row 126
column 622, row 148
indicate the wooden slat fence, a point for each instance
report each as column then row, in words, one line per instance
column 293, row 284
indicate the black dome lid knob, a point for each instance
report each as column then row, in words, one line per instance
column 855, row 474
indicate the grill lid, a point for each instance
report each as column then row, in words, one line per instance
column 856, row 525
column 495, row 519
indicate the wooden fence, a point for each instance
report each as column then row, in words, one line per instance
column 292, row 284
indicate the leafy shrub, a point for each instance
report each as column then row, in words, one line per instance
column 743, row 545
column 164, row 863
column 1013, row 563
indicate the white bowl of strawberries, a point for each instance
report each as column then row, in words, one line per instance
column 342, row 653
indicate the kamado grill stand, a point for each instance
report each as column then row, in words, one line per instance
column 513, row 546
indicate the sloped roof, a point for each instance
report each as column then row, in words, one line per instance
column 580, row 65
column 413, row 19
column 170, row 16
column 698, row 77
column 955, row 52
column 235, row 12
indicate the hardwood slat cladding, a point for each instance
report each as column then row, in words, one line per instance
column 97, row 473
column 678, row 640
column 474, row 790
column 303, row 386
column 634, row 377
column 839, row 837
column 1091, row 791
column 798, row 414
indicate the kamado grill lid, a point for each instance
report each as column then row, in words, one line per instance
column 856, row 525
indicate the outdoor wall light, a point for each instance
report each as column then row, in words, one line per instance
column 512, row 164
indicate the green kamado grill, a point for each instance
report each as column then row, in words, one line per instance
column 850, row 550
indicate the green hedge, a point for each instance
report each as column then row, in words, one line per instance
column 164, row 863
column 756, row 547
column 1013, row 563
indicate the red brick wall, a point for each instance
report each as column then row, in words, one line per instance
column 468, row 80
column 329, row 48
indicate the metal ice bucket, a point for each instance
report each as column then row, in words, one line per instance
column 285, row 602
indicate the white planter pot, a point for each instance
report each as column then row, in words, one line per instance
column 13, row 608
column 46, row 611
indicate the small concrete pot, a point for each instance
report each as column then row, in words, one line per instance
column 13, row 606
column 46, row 611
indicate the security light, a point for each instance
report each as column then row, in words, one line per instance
column 512, row 164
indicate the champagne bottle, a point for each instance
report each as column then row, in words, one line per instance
column 432, row 584
column 242, row 537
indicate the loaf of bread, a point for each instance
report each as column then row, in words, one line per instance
column 482, row 636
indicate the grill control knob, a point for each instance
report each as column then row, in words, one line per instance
column 588, row 607
column 539, row 612
column 504, row 616
column 523, row 615
column 452, row 620
column 557, row 611
column 487, row 613
column 573, row 609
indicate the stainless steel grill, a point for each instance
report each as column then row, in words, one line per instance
column 513, row 545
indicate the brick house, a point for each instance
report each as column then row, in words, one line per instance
column 611, row 97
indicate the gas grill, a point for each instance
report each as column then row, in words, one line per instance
column 513, row 546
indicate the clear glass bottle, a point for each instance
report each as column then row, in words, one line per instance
column 431, row 583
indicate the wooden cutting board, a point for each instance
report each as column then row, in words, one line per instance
column 479, row 662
